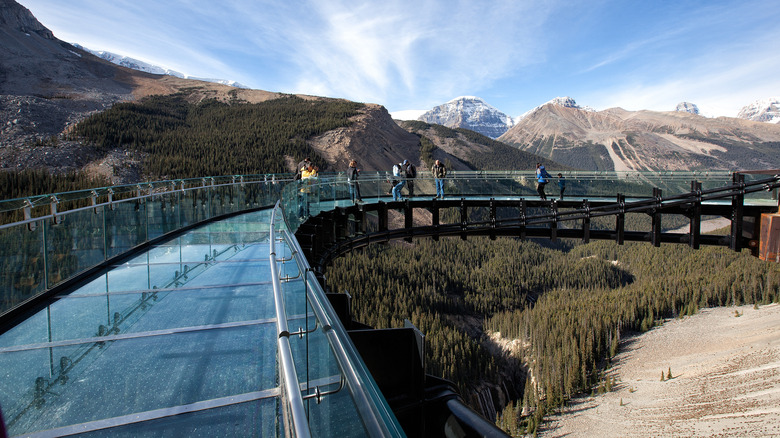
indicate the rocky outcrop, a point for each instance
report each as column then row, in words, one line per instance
column 373, row 139
column 19, row 18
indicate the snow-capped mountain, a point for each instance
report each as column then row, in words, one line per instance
column 472, row 113
column 135, row 64
column 687, row 107
column 764, row 110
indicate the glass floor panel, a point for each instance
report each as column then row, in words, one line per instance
column 178, row 341
column 116, row 378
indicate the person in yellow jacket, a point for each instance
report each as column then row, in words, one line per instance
column 308, row 175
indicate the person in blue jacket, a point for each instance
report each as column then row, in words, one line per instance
column 542, row 178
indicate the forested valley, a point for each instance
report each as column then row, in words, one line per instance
column 568, row 307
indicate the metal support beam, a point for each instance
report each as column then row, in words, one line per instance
column 435, row 219
column 360, row 220
column 737, row 206
column 521, row 227
column 340, row 223
column 554, row 222
column 408, row 219
column 586, row 221
column 695, row 230
column 655, row 232
column 464, row 219
column 382, row 215
column 492, row 219
column 620, row 219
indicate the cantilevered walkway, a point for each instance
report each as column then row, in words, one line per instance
column 189, row 307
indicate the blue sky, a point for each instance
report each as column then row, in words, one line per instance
column 414, row 55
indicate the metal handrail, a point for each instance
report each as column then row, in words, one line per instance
column 336, row 335
column 151, row 189
column 288, row 376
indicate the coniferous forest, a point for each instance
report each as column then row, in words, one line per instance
column 568, row 307
column 186, row 140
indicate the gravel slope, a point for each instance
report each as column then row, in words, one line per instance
column 725, row 381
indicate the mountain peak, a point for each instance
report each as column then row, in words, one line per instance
column 764, row 110
column 566, row 102
column 467, row 98
column 469, row 112
column 687, row 107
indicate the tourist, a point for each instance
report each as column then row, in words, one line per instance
column 352, row 177
column 439, row 172
column 542, row 178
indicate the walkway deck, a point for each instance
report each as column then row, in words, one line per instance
column 180, row 340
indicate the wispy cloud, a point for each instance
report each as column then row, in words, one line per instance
column 412, row 54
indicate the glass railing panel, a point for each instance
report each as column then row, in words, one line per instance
column 769, row 197
column 22, row 263
column 126, row 226
column 127, row 376
column 249, row 419
column 195, row 205
column 74, row 245
column 163, row 213
column 335, row 416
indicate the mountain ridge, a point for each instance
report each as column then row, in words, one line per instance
column 617, row 139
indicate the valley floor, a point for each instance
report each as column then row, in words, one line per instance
column 725, row 367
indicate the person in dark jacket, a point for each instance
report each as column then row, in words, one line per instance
column 352, row 177
column 439, row 171
column 561, row 184
column 411, row 174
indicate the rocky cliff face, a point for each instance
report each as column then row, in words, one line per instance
column 19, row 18
column 373, row 139
column 616, row 139
column 470, row 113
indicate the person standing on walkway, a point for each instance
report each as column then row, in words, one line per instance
column 561, row 184
column 399, row 172
column 301, row 167
column 352, row 177
column 308, row 177
column 439, row 172
column 411, row 174
column 542, row 178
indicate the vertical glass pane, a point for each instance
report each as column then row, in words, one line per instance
column 21, row 264
column 73, row 245
column 125, row 226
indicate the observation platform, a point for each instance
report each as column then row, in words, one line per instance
column 188, row 308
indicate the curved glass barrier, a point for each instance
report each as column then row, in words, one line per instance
column 178, row 337
column 46, row 240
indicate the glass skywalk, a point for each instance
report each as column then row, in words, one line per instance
column 178, row 341
column 183, row 338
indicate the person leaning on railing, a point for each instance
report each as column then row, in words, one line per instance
column 439, row 172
